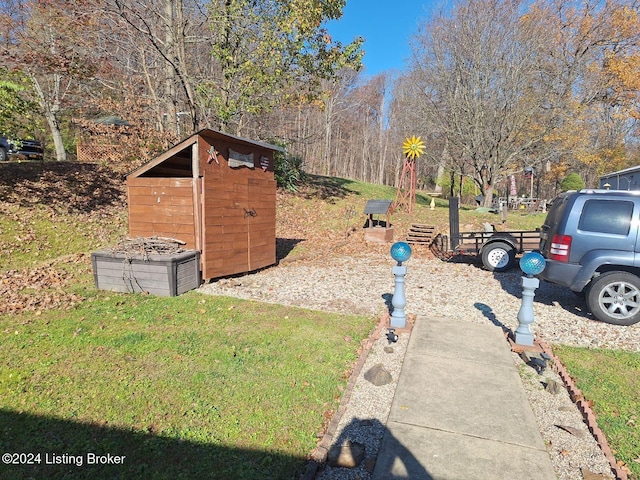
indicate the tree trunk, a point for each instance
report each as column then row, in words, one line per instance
column 50, row 112
column 439, row 174
column 488, row 196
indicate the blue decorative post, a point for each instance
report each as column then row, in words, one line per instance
column 400, row 252
column 531, row 263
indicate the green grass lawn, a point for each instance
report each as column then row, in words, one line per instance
column 610, row 379
column 237, row 389
column 194, row 386
column 188, row 387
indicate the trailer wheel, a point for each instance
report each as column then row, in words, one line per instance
column 498, row 257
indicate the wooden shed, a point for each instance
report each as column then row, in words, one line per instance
column 215, row 192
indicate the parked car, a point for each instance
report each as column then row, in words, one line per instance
column 20, row 149
column 590, row 242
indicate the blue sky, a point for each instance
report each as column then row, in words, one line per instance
column 387, row 27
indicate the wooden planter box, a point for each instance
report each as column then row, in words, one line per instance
column 375, row 230
column 378, row 234
column 163, row 275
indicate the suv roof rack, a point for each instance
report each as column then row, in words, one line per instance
column 601, row 191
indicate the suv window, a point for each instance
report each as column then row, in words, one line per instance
column 557, row 209
column 606, row 216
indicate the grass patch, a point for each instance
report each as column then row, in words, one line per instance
column 186, row 387
column 30, row 237
column 140, row 376
column 335, row 207
column 611, row 380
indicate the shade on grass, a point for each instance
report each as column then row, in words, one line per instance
column 238, row 388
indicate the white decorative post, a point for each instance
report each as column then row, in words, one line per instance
column 531, row 263
column 400, row 252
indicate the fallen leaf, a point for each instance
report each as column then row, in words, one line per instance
column 572, row 430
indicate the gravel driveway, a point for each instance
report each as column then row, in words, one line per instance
column 458, row 290
column 462, row 291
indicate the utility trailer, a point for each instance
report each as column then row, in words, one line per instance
column 497, row 250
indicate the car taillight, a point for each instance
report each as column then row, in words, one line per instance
column 560, row 247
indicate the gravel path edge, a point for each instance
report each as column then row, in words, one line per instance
column 319, row 454
column 588, row 415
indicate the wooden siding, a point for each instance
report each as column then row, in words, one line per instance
column 162, row 207
column 228, row 214
column 239, row 220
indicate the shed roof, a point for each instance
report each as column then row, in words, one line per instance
column 626, row 171
column 187, row 142
column 377, row 207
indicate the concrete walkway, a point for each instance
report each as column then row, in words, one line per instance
column 460, row 411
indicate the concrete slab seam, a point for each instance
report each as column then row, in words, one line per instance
column 469, row 361
column 527, row 447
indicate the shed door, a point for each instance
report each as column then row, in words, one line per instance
column 261, row 222
column 238, row 226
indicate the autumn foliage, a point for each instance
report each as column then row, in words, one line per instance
column 493, row 86
column 72, row 204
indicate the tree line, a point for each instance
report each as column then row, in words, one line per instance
column 497, row 89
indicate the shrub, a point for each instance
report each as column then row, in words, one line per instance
column 573, row 181
column 288, row 171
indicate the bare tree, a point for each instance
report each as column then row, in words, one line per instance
column 591, row 52
column 477, row 73
column 50, row 42
column 166, row 37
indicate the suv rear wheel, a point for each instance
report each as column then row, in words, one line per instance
column 3, row 155
column 614, row 297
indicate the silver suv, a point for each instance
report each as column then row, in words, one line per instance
column 590, row 241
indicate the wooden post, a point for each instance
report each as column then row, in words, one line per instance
column 454, row 222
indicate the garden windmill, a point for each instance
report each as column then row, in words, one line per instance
column 406, row 195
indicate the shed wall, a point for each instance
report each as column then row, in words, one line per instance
column 162, row 207
column 239, row 212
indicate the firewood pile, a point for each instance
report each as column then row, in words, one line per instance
column 143, row 246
